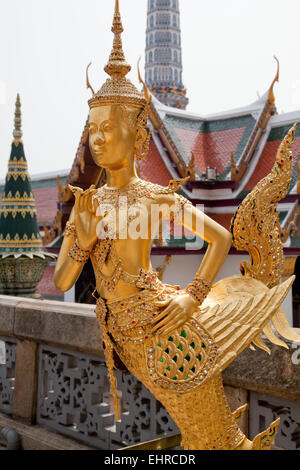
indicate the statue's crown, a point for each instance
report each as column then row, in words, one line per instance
column 118, row 89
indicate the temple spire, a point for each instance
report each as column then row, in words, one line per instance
column 22, row 257
column 163, row 64
column 17, row 133
column 117, row 65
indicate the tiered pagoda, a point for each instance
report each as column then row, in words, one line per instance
column 22, row 257
column 163, row 64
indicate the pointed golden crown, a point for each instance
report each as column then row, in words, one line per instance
column 118, row 89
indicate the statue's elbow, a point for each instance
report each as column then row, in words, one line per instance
column 226, row 238
column 60, row 283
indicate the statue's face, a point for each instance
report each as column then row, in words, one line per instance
column 111, row 137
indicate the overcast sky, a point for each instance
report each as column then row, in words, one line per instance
column 45, row 45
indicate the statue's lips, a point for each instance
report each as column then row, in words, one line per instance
column 98, row 150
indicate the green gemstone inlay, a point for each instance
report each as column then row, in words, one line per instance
column 188, row 358
column 203, row 346
column 180, row 347
column 181, row 369
column 199, row 357
column 161, row 360
column 159, row 345
column 174, row 378
column 193, row 369
column 170, row 339
column 169, row 368
column 175, row 358
column 192, row 345
column 183, row 334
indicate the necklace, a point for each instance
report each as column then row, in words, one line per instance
column 134, row 192
column 105, row 250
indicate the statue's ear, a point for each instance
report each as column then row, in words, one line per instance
column 139, row 142
column 142, row 142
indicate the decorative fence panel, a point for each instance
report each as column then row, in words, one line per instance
column 266, row 408
column 74, row 399
column 8, row 349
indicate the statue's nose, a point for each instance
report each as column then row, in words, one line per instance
column 99, row 139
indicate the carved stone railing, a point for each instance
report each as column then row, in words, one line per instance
column 273, row 386
column 55, row 375
column 54, row 390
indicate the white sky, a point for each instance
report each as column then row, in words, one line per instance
column 45, row 45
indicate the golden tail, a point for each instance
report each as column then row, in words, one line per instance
column 264, row 440
column 255, row 226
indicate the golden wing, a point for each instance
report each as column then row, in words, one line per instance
column 238, row 310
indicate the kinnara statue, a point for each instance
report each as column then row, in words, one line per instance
column 175, row 341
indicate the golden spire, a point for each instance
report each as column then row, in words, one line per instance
column 118, row 89
column 117, row 65
column 18, row 121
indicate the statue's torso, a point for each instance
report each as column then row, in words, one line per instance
column 132, row 223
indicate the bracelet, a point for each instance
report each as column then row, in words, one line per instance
column 70, row 230
column 199, row 289
column 78, row 254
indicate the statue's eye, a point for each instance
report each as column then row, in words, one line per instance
column 107, row 126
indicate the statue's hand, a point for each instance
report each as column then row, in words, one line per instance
column 85, row 218
column 178, row 311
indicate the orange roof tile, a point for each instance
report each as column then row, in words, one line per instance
column 210, row 149
column 153, row 168
column 46, row 203
column 222, row 219
column 47, row 286
column 267, row 160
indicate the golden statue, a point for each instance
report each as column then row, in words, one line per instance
column 176, row 342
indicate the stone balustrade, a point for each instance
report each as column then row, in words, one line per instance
column 54, row 389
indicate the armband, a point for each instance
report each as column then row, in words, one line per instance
column 78, row 254
column 198, row 289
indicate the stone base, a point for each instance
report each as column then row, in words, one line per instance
column 20, row 276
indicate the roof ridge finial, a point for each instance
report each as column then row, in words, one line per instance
column 18, row 121
column 271, row 96
column 117, row 65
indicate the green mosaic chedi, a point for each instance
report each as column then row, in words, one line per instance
column 22, row 258
column 18, row 223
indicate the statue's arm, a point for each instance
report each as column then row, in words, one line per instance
column 67, row 270
column 218, row 238
column 83, row 216
column 180, row 308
